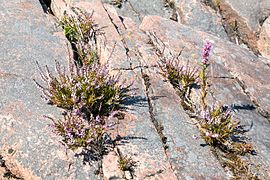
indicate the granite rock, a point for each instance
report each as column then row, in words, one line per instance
column 264, row 41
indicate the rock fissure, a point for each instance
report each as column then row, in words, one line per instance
column 234, row 25
column 120, row 34
column 7, row 172
column 157, row 125
column 159, row 128
column 135, row 67
column 260, row 109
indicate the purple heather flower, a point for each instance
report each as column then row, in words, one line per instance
column 195, row 137
column 208, row 134
column 214, row 135
column 206, row 52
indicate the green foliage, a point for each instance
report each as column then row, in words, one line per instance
column 218, row 129
column 126, row 163
column 81, row 30
column 204, row 86
column 76, row 132
column 217, row 3
column 90, row 89
column 180, row 76
column 218, row 126
column 240, row 169
column 117, row 3
column 78, row 26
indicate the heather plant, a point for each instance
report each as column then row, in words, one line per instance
column 219, row 129
column 181, row 77
column 81, row 30
column 217, row 125
column 77, row 132
column 87, row 55
column 79, row 26
column 203, row 74
column 125, row 163
column 90, row 89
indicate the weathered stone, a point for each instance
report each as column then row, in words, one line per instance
column 227, row 91
column 135, row 41
column 252, row 11
column 167, row 116
column 188, row 158
column 196, row 14
column 138, row 9
column 155, row 132
column 27, row 144
column 140, row 140
column 264, row 41
column 110, row 166
column 60, row 7
column 242, row 64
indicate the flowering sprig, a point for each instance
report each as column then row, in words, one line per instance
column 182, row 77
column 218, row 128
column 90, row 89
column 86, row 91
column 78, row 132
column 206, row 52
column 203, row 74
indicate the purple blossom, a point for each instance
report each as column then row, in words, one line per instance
column 206, row 52
column 195, row 137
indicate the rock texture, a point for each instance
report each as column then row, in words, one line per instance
column 156, row 132
column 264, row 41
column 28, row 147
column 252, row 11
column 196, row 14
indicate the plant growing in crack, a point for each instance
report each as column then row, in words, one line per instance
column 117, row 3
column 78, row 132
column 181, row 77
column 90, row 90
column 219, row 129
column 203, row 74
column 90, row 96
column 81, row 30
column 126, row 163
column 216, row 123
column 79, row 26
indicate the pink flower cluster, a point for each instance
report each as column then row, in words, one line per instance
column 206, row 52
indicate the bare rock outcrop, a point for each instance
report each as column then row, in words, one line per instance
column 155, row 130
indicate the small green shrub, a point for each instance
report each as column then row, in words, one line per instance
column 218, row 127
column 126, row 163
column 77, row 132
column 79, row 26
column 90, row 89
column 81, row 30
column 180, row 76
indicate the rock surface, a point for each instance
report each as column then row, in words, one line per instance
column 29, row 148
column 264, row 41
column 196, row 14
column 253, row 11
column 156, row 132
